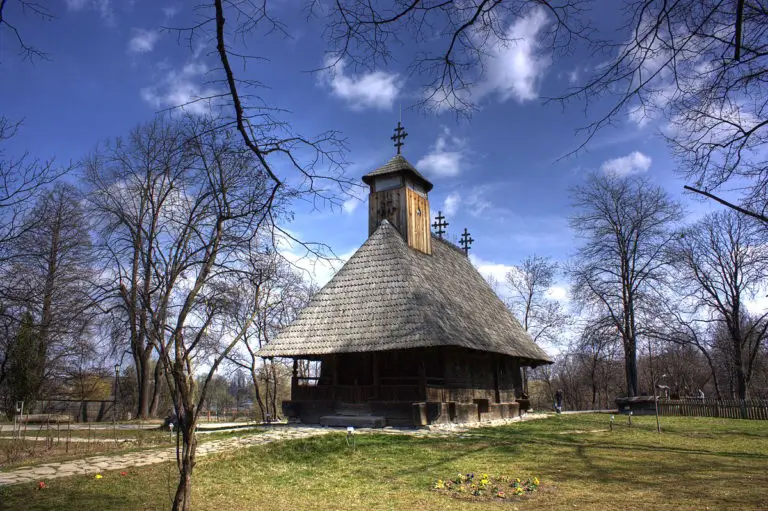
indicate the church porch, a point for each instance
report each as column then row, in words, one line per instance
column 412, row 387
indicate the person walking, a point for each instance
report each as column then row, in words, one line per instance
column 559, row 400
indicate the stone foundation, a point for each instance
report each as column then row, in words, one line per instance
column 403, row 414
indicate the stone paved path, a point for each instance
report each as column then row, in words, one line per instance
column 96, row 464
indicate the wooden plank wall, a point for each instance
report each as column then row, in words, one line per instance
column 419, row 236
column 395, row 198
column 756, row 409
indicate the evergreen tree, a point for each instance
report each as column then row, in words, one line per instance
column 25, row 366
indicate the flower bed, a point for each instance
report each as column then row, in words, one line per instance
column 485, row 487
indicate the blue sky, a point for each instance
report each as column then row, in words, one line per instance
column 498, row 174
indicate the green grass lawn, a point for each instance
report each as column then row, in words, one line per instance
column 694, row 464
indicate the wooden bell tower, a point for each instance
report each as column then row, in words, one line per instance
column 398, row 193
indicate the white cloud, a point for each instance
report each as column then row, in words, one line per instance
column 559, row 293
column 170, row 12
column 143, row 41
column 451, row 203
column 634, row 163
column 104, row 7
column 358, row 195
column 442, row 162
column 317, row 270
column 476, row 202
column 654, row 103
column 514, row 66
column 758, row 305
column 376, row 89
column 181, row 88
column 350, row 205
column 492, row 271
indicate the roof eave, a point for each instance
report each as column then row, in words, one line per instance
column 369, row 178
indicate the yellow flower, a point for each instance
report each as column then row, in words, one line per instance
column 536, row 481
column 99, row 476
column 518, row 479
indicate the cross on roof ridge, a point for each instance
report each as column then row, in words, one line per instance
column 466, row 241
column 440, row 224
column 399, row 136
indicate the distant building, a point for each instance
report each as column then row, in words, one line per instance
column 408, row 332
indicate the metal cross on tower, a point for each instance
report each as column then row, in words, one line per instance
column 466, row 241
column 399, row 136
column 440, row 224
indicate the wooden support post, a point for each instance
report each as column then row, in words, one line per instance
column 497, row 393
column 375, row 373
column 422, row 379
column 295, row 367
column 334, row 375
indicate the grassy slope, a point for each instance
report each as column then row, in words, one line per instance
column 694, row 464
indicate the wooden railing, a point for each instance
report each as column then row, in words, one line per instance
column 393, row 389
column 698, row 407
column 355, row 393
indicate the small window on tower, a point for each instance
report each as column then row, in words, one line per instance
column 388, row 183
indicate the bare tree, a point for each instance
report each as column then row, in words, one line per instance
column 54, row 265
column 596, row 346
column 187, row 231
column 724, row 259
column 312, row 172
column 22, row 178
column 279, row 294
column 677, row 321
column 626, row 224
column 542, row 317
column 211, row 232
column 702, row 66
column 132, row 184
column 10, row 10
column 465, row 34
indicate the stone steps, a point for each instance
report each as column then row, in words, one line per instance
column 353, row 409
column 357, row 421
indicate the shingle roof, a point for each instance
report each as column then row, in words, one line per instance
column 389, row 296
column 397, row 164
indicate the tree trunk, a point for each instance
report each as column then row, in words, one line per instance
column 143, row 384
column 157, row 389
column 183, row 499
column 257, row 392
column 594, row 392
column 714, row 375
column 738, row 363
column 630, row 356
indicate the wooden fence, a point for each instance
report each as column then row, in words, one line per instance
column 730, row 409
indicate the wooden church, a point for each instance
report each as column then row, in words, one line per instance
column 408, row 333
